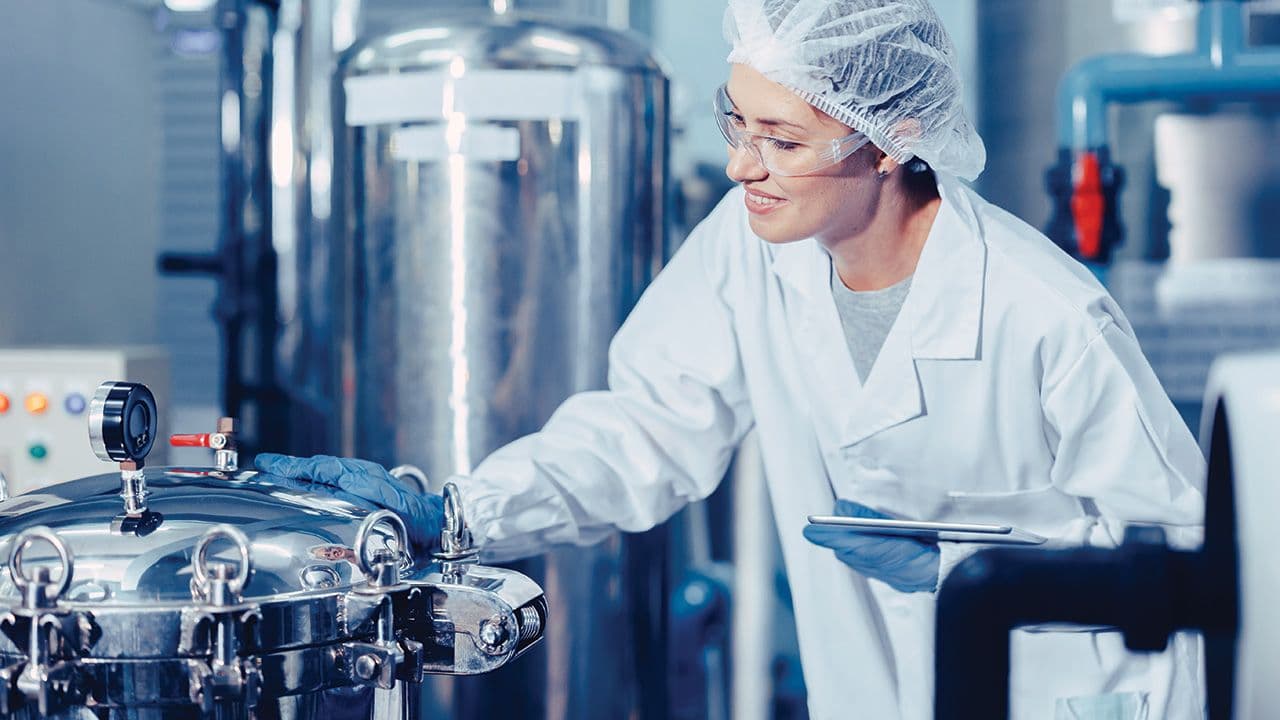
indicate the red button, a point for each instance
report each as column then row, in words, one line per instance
column 4, row 403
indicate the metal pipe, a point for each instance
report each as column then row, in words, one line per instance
column 754, row 609
column 1084, row 184
column 1222, row 67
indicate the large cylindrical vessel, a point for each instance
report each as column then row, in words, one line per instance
column 504, row 183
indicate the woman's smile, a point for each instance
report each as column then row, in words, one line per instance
column 759, row 203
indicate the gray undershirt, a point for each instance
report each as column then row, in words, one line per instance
column 867, row 318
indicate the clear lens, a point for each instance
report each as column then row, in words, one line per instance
column 779, row 156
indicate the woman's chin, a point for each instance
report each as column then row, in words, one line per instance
column 768, row 228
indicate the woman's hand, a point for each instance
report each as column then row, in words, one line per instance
column 905, row 564
column 361, row 483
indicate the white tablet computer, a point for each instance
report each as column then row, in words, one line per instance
column 937, row 531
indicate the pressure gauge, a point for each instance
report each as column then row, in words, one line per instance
column 122, row 422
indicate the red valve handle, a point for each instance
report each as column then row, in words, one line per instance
column 199, row 440
column 1088, row 206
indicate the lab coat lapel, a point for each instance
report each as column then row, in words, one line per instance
column 944, row 307
column 939, row 320
column 892, row 393
column 821, row 354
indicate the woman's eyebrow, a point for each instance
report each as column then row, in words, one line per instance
column 771, row 122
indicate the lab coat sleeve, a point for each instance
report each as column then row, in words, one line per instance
column 628, row 457
column 1120, row 446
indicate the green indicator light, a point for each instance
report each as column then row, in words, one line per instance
column 38, row 451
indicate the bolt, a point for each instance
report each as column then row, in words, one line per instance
column 493, row 635
column 368, row 667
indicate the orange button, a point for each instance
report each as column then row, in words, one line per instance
column 37, row 403
column 4, row 403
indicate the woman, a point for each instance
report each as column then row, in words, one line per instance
column 903, row 348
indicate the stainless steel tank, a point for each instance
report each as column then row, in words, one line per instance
column 166, row 593
column 503, row 180
column 309, row 37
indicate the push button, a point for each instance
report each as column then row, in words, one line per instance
column 37, row 403
column 38, row 451
column 75, row 403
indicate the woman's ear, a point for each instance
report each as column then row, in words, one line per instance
column 885, row 165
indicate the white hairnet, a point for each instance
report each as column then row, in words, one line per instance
column 883, row 67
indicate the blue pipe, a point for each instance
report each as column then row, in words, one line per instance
column 1222, row 67
column 1084, row 184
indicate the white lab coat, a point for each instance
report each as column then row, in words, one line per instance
column 1010, row 389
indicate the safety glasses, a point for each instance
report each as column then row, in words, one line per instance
column 779, row 156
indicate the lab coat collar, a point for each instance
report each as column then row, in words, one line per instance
column 945, row 302
column 802, row 265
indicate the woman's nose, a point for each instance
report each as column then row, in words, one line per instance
column 743, row 165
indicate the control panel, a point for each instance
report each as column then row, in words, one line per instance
column 45, row 397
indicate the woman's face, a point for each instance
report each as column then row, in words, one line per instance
column 831, row 204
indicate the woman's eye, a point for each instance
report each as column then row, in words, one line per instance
column 736, row 120
column 783, row 145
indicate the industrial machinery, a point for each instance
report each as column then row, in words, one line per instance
column 463, row 216
column 1205, row 281
column 1226, row 590
column 503, row 182
column 213, row 592
column 44, row 400
column 1085, row 184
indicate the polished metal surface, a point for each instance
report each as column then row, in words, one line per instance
column 503, row 183
column 308, row 39
column 236, row 593
column 291, row 531
column 487, row 288
column 96, row 408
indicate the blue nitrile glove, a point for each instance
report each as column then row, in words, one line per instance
column 904, row 563
column 364, row 484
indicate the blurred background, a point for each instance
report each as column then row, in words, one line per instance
column 181, row 188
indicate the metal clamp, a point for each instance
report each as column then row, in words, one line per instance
column 455, row 538
column 414, row 474
column 385, row 569
column 457, row 551
column 35, row 589
column 225, row 677
column 49, row 678
column 380, row 663
column 209, row 582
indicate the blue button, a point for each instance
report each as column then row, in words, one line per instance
column 75, row 403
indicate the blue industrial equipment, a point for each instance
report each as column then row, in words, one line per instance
column 699, row 649
column 1085, row 184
